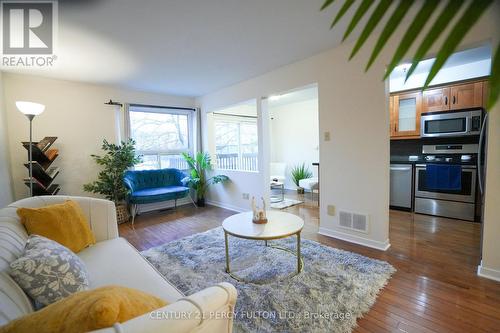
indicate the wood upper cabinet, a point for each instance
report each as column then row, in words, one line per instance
column 486, row 93
column 405, row 108
column 405, row 115
column 465, row 96
column 434, row 100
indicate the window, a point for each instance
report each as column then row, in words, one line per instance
column 235, row 138
column 161, row 135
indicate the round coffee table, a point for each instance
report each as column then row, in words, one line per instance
column 279, row 225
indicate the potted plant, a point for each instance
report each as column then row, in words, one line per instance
column 199, row 165
column 116, row 160
column 300, row 172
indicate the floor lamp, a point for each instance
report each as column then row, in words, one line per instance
column 30, row 110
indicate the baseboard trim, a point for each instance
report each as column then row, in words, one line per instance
column 226, row 206
column 488, row 273
column 382, row 246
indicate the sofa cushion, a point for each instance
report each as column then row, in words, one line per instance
column 155, row 194
column 64, row 223
column 87, row 311
column 48, row 271
column 13, row 301
column 117, row 262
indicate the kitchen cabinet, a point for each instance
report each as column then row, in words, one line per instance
column 453, row 97
column 405, row 108
column 405, row 115
column 434, row 100
column 466, row 96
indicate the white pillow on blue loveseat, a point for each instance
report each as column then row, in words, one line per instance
column 47, row 271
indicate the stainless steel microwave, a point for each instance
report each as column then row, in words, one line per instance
column 451, row 123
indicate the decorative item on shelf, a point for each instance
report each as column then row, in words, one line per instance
column 198, row 181
column 43, row 174
column 259, row 214
column 116, row 160
column 300, row 172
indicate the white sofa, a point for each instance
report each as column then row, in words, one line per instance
column 112, row 260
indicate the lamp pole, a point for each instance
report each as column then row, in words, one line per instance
column 30, row 150
column 30, row 110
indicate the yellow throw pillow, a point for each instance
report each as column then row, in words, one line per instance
column 87, row 311
column 64, row 223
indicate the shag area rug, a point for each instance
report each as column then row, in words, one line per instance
column 334, row 289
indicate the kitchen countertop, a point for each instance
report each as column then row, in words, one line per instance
column 395, row 159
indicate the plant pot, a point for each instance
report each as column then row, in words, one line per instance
column 300, row 190
column 122, row 214
column 200, row 202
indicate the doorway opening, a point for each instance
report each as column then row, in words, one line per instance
column 294, row 147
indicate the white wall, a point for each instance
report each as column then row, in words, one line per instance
column 6, row 194
column 353, row 107
column 490, row 266
column 76, row 114
column 295, row 136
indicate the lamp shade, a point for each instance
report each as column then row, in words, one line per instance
column 30, row 108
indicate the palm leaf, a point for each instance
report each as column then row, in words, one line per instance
column 390, row 27
column 494, row 80
column 468, row 19
column 439, row 26
column 360, row 12
column 342, row 11
column 411, row 34
column 374, row 19
column 326, row 4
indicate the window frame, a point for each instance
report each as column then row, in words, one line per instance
column 236, row 119
column 190, row 113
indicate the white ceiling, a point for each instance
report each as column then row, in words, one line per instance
column 456, row 59
column 185, row 47
column 462, row 65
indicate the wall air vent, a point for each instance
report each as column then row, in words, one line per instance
column 345, row 220
column 360, row 222
column 353, row 221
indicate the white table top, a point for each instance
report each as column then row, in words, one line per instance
column 279, row 225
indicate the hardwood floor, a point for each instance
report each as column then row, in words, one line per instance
column 435, row 288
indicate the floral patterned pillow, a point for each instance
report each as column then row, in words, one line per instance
column 48, row 271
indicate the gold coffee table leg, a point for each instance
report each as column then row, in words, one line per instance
column 227, row 253
column 299, row 258
column 300, row 261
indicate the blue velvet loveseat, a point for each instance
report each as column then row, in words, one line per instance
column 150, row 186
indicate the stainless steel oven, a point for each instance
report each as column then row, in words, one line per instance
column 451, row 123
column 450, row 203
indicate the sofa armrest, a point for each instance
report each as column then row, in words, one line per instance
column 185, row 181
column 103, row 219
column 128, row 184
column 210, row 310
